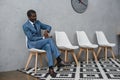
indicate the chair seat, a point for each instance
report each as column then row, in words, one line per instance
column 36, row 50
column 68, row 47
column 89, row 46
column 108, row 45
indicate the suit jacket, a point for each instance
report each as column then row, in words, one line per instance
column 34, row 35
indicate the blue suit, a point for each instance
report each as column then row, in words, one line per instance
column 35, row 39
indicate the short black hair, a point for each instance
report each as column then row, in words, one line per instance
column 29, row 12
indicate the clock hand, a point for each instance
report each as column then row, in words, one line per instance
column 80, row 1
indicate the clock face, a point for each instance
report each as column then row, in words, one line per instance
column 79, row 5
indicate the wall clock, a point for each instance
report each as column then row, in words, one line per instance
column 79, row 5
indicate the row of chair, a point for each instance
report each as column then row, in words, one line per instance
column 65, row 46
column 85, row 45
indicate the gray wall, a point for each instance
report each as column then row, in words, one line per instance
column 100, row 15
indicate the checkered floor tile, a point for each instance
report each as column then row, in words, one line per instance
column 102, row 70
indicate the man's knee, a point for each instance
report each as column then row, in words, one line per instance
column 50, row 39
column 47, row 46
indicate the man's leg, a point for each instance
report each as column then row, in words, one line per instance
column 54, row 48
column 41, row 43
column 55, row 51
column 50, row 60
column 49, row 54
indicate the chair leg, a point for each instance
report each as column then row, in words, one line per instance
column 74, row 56
column 28, row 61
column 105, row 53
column 87, row 55
column 67, row 57
column 78, row 55
column 98, row 52
column 41, row 60
column 36, row 55
column 66, row 54
column 112, row 53
column 95, row 57
column 55, row 62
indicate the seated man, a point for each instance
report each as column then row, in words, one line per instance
column 32, row 29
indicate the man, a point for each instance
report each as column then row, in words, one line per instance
column 32, row 29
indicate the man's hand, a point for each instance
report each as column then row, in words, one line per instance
column 46, row 34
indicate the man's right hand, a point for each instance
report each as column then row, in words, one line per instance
column 46, row 34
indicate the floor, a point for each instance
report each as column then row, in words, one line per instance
column 16, row 75
column 102, row 70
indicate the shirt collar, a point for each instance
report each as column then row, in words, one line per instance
column 31, row 22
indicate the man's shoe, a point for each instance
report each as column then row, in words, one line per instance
column 62, row 64
column 52, row 73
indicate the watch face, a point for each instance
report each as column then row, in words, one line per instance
column 79, row 5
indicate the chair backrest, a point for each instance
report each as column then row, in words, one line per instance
column 62, row 39
column 101, row 38
column 82, row 38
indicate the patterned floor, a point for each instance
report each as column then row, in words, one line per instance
column 103, row 70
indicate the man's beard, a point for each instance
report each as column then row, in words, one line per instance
column 33, row 20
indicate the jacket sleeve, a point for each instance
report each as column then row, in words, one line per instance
column 30, row 35
column 45, row 27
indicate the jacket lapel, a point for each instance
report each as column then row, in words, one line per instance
column 31, row 26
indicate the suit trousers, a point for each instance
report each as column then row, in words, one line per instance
column 50, row 47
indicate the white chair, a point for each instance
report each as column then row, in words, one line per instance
column 65, row 45
column 35, row 52
column 85, row 45
column 103, row 43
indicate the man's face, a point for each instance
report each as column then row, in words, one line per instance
column 33, row 17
